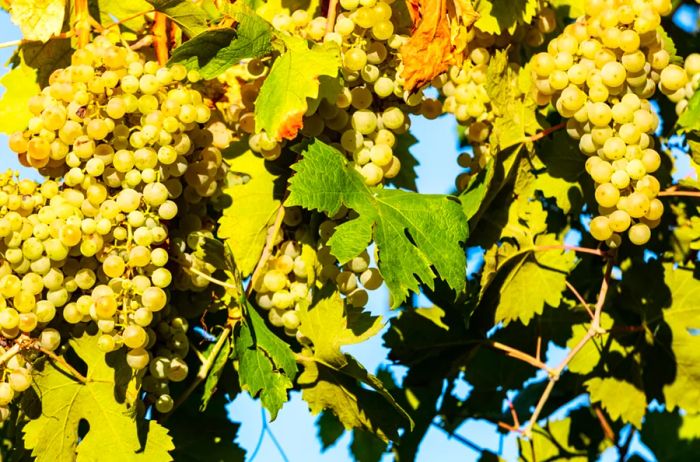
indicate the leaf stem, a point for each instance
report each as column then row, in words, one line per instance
column 68, row 368
column 522, row 356
column 213, row 280
column 547, row 131
column 267, row 250
column 11, row 43
column 580, row 298
column 203, row 370
column 575, row 248
column 160, row 37
column 593, row 330
column 604, row 424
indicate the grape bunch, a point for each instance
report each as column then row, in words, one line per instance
column 599, row 74
column 139, row 155
column 683, row 95
column 372, row 108
column 298, row 268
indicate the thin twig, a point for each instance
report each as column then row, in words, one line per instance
column 267, row 251
column 70, row 369
column 16, row 43
column 580, row 298
column 593, row 330
column 517, row 354
column 672, row 192
column 212, row 279
column 604, row 424
column 470, row 444
column 547, row 131
column 266, row 428
column 575, row 248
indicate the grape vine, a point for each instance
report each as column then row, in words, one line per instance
column 222, row 186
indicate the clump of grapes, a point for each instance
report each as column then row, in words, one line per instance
column 599, row 74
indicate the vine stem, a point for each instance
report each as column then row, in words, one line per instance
column 593, row 330
column 580, row 298
column 9, row 353
column 470, row 444
column 575, row 248
column 160, row 37
column 213, row 280
column 16, row 43
column 64, row 364
column 332, row 13
column 82, row 22
column 267, row 250
column 547, row 131
column 203, row 370
column 522, row 356
column 673, row 192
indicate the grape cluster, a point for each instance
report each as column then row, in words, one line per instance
column 599, row 74
column 298, row 268
column 683, row 95
column 372, row 108
column 139, row 154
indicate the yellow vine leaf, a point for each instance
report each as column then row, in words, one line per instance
column 38, row 19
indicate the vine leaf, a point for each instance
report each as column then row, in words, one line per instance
column 330, row 324
column 245, row 222
column 20, row 85
column 266, row 363
column 573, row 439
column 690, row 119
column 435, row 223
column 497, row 16
column 526, row 280
column 213, row 52
column 620, row 399
column 38, row 20
column 113, row 435
column 340, row 390
column 188, row 15
column 216, row 370
column 294, row 76
column 682, row 314
column 109, row 10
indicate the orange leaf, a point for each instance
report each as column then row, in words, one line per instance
column 427, row 52
column 291, row 126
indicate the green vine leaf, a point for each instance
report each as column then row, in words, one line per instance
column 188, row 15
column 113, row 435
column 496, row 16
column 672, row 437
column 690, row 119
column 215, row 51
column 217, row 368
column 266, row 363
column 293, row 78
column 245, row 222
column 435, row 223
